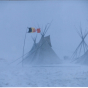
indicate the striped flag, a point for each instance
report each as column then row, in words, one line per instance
column 32, row 30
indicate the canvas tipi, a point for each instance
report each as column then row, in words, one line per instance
column 82, row 47
column 42, row 52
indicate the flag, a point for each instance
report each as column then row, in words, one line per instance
column 31, row 30
column 38, row 30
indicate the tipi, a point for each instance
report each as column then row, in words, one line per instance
column 42, row 52
column 81, row 49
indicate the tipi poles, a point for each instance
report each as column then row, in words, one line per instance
column 82, row 46
column 19, row 58
column 24, row 46
column 75, row 53
column 86, row 46
column 80, row 50
column 45, row 28
column 34, row 39
column 48, row 27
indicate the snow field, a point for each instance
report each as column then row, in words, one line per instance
column 58, row 76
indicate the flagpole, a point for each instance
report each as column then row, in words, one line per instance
column 23, row 47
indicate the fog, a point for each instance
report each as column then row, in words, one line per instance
column 16, row 16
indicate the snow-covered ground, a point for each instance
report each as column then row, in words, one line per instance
column 65, row 75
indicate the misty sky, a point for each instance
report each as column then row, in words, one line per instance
column 16, row 16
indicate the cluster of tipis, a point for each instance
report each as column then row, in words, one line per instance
column 41, row 53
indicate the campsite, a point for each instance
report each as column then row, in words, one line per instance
column 44, row 44
column 41, row 67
